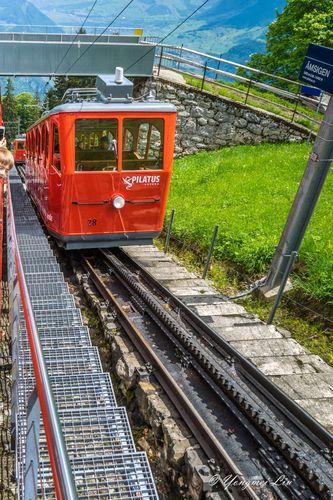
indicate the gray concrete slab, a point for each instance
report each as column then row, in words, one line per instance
column 170, row 274
column 306, row 386
column 288, row 365
column 248, row 333
column 182, row 291
column 320, row 409
column 275, row 347
column 224, row 308
column 234, row 321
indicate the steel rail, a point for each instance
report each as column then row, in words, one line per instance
column 211, row 446
column 61, row 470
column 313, row 429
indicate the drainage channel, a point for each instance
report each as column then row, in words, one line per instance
column 97, row 434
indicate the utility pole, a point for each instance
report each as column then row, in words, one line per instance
column 316, row 70
column 305, row 201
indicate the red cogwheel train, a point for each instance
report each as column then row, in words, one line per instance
column 19, row 151
column 99, row 166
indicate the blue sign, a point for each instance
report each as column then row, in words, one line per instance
column 317, row 67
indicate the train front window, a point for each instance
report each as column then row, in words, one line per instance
column 96, row 144
column 20, row 145
column 143, row 144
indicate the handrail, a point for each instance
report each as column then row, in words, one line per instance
column 53, row 29
column 224, row 61
column 181, row 63
column 61, row 469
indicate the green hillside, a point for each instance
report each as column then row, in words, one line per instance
column 248, row 191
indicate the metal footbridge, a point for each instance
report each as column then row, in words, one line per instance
column 71, row 438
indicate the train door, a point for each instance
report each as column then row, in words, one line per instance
column 55, row 179
column 144, row 181
column 95, row 177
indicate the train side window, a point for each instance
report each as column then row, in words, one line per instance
column 38, row 139
column 143, row 144
column 56, row 148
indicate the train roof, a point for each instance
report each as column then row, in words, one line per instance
column 113, row 107
column 141, row 106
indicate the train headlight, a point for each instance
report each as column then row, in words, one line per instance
column 118, row 202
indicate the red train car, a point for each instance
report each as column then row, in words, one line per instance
column 19, row 151
column 99, row 170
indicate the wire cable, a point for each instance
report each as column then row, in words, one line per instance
column 100, row 35
column 76, row 36
column 167, row 36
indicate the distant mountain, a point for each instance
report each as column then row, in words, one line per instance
column 21, row 12
column 229, row 27
column 232, row 28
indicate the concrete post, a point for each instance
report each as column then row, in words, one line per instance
column 305, row 201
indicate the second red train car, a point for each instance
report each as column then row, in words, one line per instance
column 19, row 151
column 99, row 167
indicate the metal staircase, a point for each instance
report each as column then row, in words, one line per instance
column 99, row 449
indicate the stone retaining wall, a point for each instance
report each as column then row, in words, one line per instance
column 207, row 121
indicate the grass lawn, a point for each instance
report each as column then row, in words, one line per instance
column 248, row 191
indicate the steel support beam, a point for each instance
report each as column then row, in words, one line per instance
column 41, row 58
column 305, row 201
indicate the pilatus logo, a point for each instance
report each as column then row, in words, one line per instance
column 146, row 180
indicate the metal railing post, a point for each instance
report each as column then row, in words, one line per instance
column 168, row 235
column 298, row 98
column 248, row 90
column 292, row 258
column 160, row 62
column 218, row 67
column 210, row 252
column 204, row 76
column 180, row 54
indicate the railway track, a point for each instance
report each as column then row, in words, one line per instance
column 253, row 434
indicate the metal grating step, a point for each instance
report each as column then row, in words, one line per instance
column 70, row 361
column 38, row 268
column 49, row 318
column 43, row 278
column 90, row 433
column 32, row 259
column 86, row 390
column 55, row 288
column 36, row 254
column 64, row 301
column 116, row 477
column 56, row 338
column 80, row 391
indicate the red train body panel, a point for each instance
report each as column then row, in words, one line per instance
column 19, row 151
column 86, row 160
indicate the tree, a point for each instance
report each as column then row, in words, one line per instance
column 10, row 111
column 301, row 22
column 62, row 83
column 29, row 109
